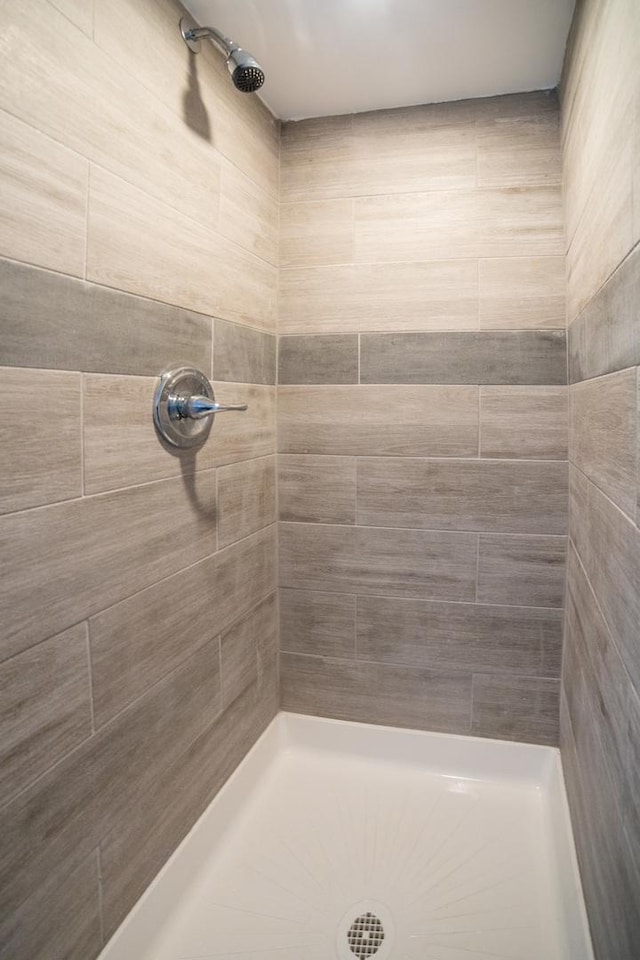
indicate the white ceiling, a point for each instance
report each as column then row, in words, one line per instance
column 323, row 57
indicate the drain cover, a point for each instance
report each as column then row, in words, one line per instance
column 366, row 930
column 365, row 936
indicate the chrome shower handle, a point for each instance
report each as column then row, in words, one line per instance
column 184, row 407
column 198, row 406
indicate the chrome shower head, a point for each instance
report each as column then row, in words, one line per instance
column 246, row 72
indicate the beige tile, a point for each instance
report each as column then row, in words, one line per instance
column 70, row 808
column 433, row 295
column 519, row 152
column 317, row 489
column 57, row 322
column 131, row 133
column 608, row 215
column 60, row 918
column 248, row 435
column 243, row 648
column 388, row 420
column 514, row 221
column 409, row 150
column 64, row 562
column 45, row 698
column 79, row 12
column 527, row 571
column 524, row 422
column 376, row 693
column 121, row 445
column 369, row 561
column 516, row 708
column 315, row 155
column 508, row 496
column 136, row 643
column 42, row 460
column 522, row 293
column 467, row 636
column 246, row 498
column 248, row 215
column 44, row 199
column 604, row 426
column 178, row 259
column 323, row 624
column 317, row 232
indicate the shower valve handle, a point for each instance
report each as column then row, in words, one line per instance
column 198, row 406
column 184, row 407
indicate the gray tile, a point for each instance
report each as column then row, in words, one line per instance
column 376, row 693
column 528, row 423
column 605, row 337
column 40, row 465
column 242, row 354
column 391, row 420
column 146, row 833
column 317, row 489
column 79, row 801
column 137, row 642
column 54, row 321
column 604, row 426
column 243, row 647
column 45, row 707
column 448, row 636
column 366, row 560
column 508, row 496
column 61, row 917
column 610, row 552
column 248, row 435
column 516, row 708
column 513, row 357
column 246, row 498
column 318, row 359
column 64, row 562
column 317, row 623
column 522, row 570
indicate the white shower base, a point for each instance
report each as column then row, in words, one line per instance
column 458, row 848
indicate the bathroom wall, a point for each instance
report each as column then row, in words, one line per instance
column 138, row 641
column 422, row 417
column 600, row 717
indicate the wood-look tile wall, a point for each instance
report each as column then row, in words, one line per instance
column 600, row 715
column 422, row 417
column 138, row 638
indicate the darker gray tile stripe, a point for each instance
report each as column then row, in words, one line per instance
column 483, row 357
column 605, row 337
column 53, row 321
column 242, row 354
column 318, row 359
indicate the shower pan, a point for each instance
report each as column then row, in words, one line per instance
column 337, row 840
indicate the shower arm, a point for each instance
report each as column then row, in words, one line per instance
column 210, row 33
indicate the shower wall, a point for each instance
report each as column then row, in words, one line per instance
column 138, row 642
column 422, row 417
column 600, row 717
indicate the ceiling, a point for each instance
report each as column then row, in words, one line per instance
column 324, row 57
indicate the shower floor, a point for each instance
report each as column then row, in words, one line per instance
column 338, row 840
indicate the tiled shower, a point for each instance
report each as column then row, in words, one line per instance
column 433, row 314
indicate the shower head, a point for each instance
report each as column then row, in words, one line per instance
column 246, row 72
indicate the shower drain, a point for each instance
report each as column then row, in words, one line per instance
column 365, row 936
column 366, row 930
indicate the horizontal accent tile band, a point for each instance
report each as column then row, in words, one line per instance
column 605, row 337
column 318, row 359
column 479, row 357
column 57, row 322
